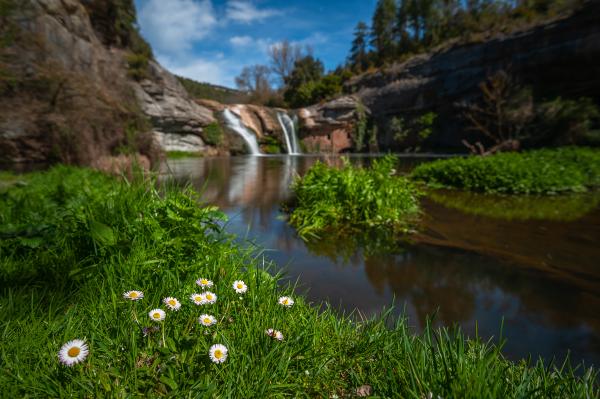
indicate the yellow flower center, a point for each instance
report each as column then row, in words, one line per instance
column 198, row 298
column 172, row 302
column 218, row 354
column 74, row 351
column 240, row 286
column 133, row 295
column 285, row 301
column 204, row 282
column 156, row 315
column 209, row 297
column 207, row 320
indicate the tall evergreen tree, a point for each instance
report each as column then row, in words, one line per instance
column 382, row 29
column 358, row 53
column 401, row 27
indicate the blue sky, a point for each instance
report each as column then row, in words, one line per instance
column 212, row 40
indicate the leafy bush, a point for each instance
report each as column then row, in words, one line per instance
column 72, row 241
column 350, row 198
column 213, row 134
column 545, row 171
column 137, row 66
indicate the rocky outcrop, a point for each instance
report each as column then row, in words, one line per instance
column 68, row 96
column 177, row 121
column 559, row 58
column 329, row 127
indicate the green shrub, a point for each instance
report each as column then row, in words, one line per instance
column 350, row 198
column 72, row 241
column 137, row 66
column 212, row 134
column 546, row 171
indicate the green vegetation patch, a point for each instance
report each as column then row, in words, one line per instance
column 560, row 208
column 74, row 242
column 546, row 171
column 183, row 154
column 350, row 198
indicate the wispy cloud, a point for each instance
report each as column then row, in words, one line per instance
column 173, row 26
column 245, row 12
column 240, row 41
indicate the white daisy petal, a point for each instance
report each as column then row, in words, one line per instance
column 209, row 297
column 218, row 353
column 286, row 301
column 207, row 320
column 198, row 299
column 157, row 315
column 73, row 352
column 240, row 287
column 204, row 282
column 172, row 303
column 133, row 295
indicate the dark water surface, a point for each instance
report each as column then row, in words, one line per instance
column 478, row 261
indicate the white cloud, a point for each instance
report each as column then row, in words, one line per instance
column 241, row 41
column 246, row 12
column 173, row 26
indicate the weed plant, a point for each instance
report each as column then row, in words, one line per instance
column 350, row 199
column 72, row 241
column 546, row 171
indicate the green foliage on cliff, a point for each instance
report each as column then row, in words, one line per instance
column 209, row 91
column 547, row 171
column 72, row 241
column 400, row 28
column 329, row 199
column 213, row 134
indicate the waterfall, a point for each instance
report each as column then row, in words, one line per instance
column 235, row 123
column 289, row 133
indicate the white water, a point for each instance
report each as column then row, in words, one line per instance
column 289, row 132
column 235, row 123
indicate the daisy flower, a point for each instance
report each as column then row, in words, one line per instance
column 133, row 295
column 157, row 314
column 204, row 283
column 172, row 303
column 276, row 334
column 207, row 320
column 210, row 297
column 73, row 352
column 218, row 353
column 198, row 299
column 286, row 301
column 240, row 287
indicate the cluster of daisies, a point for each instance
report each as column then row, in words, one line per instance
column 77, row 350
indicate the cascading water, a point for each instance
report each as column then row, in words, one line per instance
column 235, row 123
column 289, row 133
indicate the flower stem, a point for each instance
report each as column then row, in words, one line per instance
column 162, row 326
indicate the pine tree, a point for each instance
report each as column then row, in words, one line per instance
column 358, row 53
column 382, row 29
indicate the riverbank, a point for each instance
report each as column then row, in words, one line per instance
column 74, row 241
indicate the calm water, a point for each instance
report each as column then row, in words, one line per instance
column 478, row 261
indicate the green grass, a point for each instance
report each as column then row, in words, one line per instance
column 547, row 171
column 183, row 154
column 73, row 240
column 351, row 199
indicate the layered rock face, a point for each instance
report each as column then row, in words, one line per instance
column 556, row 59
column 177, row 121
column 329, row 127
column 70, row 96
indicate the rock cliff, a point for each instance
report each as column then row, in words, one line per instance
column 556, row 59
column 68, row 91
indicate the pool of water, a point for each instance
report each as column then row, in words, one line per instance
column 526, row 267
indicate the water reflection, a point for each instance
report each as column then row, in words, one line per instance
column 540, row 276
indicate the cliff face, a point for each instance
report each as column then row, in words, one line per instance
column 555, row 59
column 67, row 91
